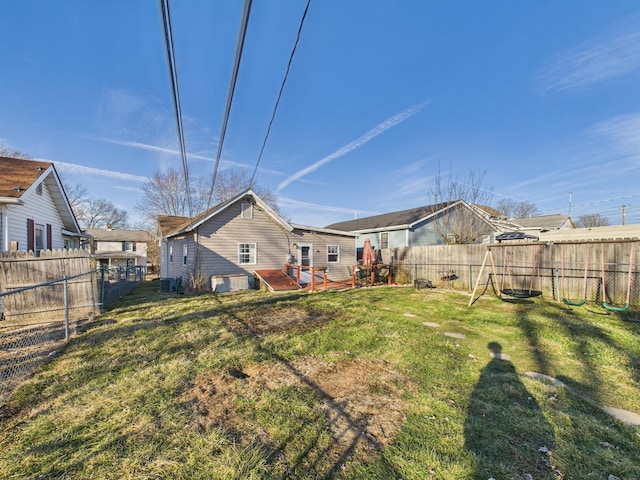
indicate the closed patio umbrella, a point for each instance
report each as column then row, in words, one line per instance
column 368, row 256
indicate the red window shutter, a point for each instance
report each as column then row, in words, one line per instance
column 49, row 237
column 31, row 234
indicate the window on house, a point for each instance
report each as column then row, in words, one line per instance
column 128, row 246
column 39, row 238
column 247, row 210
column 333, row 253
column 171, row 254
column 185, row 250
column 247, row 253
column 384, row 240
column 39, row 189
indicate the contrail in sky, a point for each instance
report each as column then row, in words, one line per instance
column 370, row 135
column 82, row 170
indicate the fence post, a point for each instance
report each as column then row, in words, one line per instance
column 66, row 308
column 102, row 308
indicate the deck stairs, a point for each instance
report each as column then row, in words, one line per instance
column 276, row 280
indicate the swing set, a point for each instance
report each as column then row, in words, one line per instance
column 526, row 288
column 605, row 304
column 507, row 286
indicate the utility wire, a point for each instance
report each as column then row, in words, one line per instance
column 284, row 81
column 168, row 36
column 244, row 22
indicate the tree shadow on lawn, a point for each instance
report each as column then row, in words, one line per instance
column 578, row 406
column 584, row 335
column 312, row 416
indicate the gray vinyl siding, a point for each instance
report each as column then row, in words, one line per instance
column 220, row 236
column 42, row 209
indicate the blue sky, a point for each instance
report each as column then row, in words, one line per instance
column 543, row 96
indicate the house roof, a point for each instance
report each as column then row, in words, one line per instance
column 544, row 222
column 402, row 218
column 171, row 226
column 20, row 176
column 249, row 194
column 171, row 223
column 593, row 234
column 118, row 235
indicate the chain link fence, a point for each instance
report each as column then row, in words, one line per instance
column 26, row 341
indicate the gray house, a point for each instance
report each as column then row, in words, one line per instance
column 243, row 235
column 428, row 225
column 544, row 223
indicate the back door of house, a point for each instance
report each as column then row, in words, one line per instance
column 305, row 258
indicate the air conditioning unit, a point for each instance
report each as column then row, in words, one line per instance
column 168, row 285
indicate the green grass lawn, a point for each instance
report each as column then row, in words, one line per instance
column 346, row 385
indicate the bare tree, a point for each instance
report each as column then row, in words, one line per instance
column 76, row 194
column 593, row 220
column 460, row 224
column 166, row 193
column 100, row 213
column 514, row 209
column 6, row 151
column 232, row 182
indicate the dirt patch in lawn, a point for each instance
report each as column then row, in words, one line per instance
column 279, row 319
column 361, row 401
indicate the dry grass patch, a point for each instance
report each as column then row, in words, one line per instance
column 360, row 401
column 278, row 319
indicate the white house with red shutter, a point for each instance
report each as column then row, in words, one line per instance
column 35, row 213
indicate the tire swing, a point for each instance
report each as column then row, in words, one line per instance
column 615, row 308
column 581, row 302
column 521, row 292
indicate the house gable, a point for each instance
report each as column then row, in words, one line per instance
column 31, row 194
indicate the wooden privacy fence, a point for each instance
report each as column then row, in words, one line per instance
column 65, row 290
column 575, row 270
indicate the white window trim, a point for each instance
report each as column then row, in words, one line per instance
column 170, row 253
column 185, row 251
column 252, row 246
column 336, row 254
column 381, row 242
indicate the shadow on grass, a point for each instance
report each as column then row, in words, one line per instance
column 505, row 425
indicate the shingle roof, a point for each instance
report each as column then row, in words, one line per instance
column 388, row 220
column 119, row 235
column 171, row 223
column 544, row 222
column 18, row 175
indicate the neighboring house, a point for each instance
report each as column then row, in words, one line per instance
column 415, row 226
column 544, row 223
column 610, row 233
column 34, row 209
column 243, row 235
column 120, row 247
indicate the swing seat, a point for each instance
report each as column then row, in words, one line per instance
column 521, row 293
column 574, row 304
column 614, row 308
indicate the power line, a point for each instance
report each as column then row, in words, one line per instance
column 284, row 80
column 232, row 86
column 173, row 71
